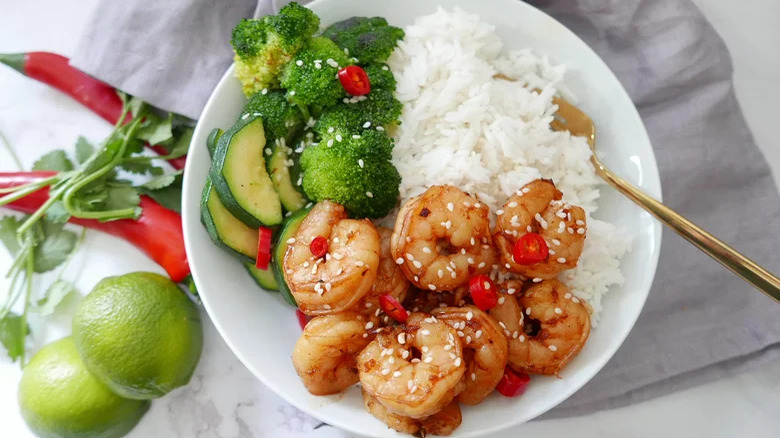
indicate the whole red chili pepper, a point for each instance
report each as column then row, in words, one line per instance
column 54, row 70
column 158, row 232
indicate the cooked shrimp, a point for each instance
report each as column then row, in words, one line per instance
column 335, row 282
column 413, row 370
column 484, row 346
column 426, row 301
column 389, row 278
column 537, row 207
column 441, row 423
column 551, row 328
column 442, row 238
column 324, row 356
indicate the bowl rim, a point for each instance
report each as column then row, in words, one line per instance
column 653, row 188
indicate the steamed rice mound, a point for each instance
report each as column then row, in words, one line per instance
column 462, row 126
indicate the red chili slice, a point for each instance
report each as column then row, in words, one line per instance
column 263, row 248
column 530, row 249
column 513, row 384
column 355, row 80
column 483, row 291
column 319, row 246
column 393, row 308
column 302, row 318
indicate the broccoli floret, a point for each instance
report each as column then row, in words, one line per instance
column 262, row 47
column 367, row 39
column 380, row 76
column 280, row 119
column 355, row 172
column 311, row 78
column 377, row 108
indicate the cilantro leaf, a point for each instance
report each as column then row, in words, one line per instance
column 53, row 249
column 12, row 335
column 84, row 150
column 135, row 105
column 57, row 212
column 165, row 191
column 181, row 142
column 54, row 160
column 55, row 294
column 120, row 196
column 156, row 132
column 8, row 227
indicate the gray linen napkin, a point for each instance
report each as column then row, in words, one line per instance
column 700, row 322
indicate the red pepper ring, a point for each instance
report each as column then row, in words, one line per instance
column 483, row 292
column 354, row 80
column 530, row 249
column 319, row 246
column 513, row 384
column 393, row 308
column 263, row 248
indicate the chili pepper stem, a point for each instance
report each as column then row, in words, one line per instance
column 14, row 60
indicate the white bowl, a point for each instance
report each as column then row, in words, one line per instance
column 261, row 329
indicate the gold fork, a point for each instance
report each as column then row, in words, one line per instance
column 572, row 119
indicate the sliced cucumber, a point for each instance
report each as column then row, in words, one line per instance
column 289, row 228
column 240, row 177
column 211, row 140
column 279, row 169
column 226, row 231
column 266, row 279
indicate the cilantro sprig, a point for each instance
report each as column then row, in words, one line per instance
column 91, row 187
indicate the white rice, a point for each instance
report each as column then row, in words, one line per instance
column 488, row 136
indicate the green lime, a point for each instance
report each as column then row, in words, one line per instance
column 139, row 334
column 59, row 398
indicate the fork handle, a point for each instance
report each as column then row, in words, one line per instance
column 727, row 256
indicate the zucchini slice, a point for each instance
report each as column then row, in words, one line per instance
column 279, row 170
column 211, row 140
column 265, row 279
column 289, row 228
column 240, row 178
column 226, row 231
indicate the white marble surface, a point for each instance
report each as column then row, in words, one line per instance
column 224, row 400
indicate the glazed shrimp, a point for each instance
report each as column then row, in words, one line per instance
column 324, row 356
column 484, row 346
column 335, row 282
column 441, row 423
column 389, row 278
column 441, row 238
column 510, row 318
column 537, row 207
column 413, row 370
column 552, row 326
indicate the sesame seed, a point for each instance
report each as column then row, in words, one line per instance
column 452, row 274
column 369, row 194
column 457, row 362
column 470, row 260
column 477, row 205
column 558, row 311
column 561, row 260
column 318, row 66
column 399, row 261
column 409, row 256
column 466, row 204
column 528, row 311
column 575, row 300
column 267, row 151
column 391, row 361
column 499, row 212
column 521, row 338
column 432, row 286
column 581, row 231
column 401, row 338
column 428, row 359
column 512, row 204
column 503, row 326
column 330, row 142
column 567, row 296
column 473, row 377
column 326, row 306
column 580, row 222
column 515, row 334
column 448, row 347
column 425, row 332
column 537, row 280
column 450, row 207
column 339, row 137
column 511, row 291
column 553, row 348
column 570, row 230
column 529, row 229
column 469, row 315
column 265, row 91
column 385, row 371
column 526, row 190
column 426, row 250
column 380, row 128
column 396, row 374
column 409, row 384
column 330, row 130
column 506, row 265
column 405, row 354
column 506, row 332
column 461, row 334
column 291, row 240
column 501, row 300
column 292, row 92
column 415, row 360
column 416, row 278
column 481, row 265
column 463, row 251
column 440, row 273
column 299, row 63
column 369, row 325
column 365, row 335
column 359, row 263
column 367, row 125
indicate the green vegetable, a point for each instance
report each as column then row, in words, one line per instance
column 367, row 39
column 225, row 230
column 289, row 228
column 262, row 47
column 279, row 168
column 264, row 278
column 308, row 84
column 355, row 172
column 380, row 76
column 240, row 178
column 280, row 119
column 378, row 108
